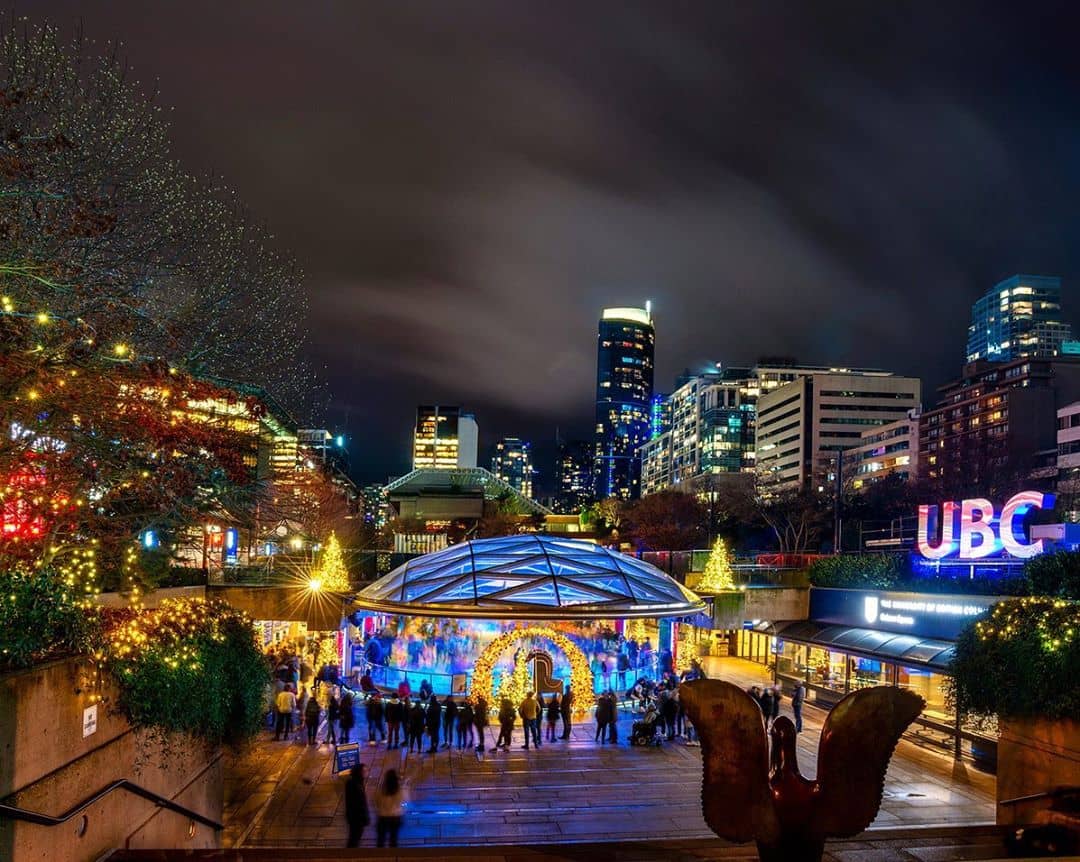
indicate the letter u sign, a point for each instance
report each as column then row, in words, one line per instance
column 973, row 529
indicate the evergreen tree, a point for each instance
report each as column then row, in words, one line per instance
column 332, row 572
column 718, row 575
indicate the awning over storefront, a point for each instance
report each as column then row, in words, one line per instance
column 884, row 646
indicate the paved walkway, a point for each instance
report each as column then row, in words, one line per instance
column 284, row 794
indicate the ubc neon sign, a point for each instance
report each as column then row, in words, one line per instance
column 972, row 529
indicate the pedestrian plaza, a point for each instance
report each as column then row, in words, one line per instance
column 286, row 794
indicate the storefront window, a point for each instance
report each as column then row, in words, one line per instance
column 827, row 668
column 868, row 672
column 792, row 660
column 931, row 687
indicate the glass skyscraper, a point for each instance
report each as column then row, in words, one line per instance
column 624, row 390
column 1018, row 317
column 513, row 464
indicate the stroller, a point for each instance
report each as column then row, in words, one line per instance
column 646, row 732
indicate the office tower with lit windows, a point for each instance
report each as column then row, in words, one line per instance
column 624, row 390
column 573, row 476
column 512, row 463
column 444, row 438
column 1017, row 318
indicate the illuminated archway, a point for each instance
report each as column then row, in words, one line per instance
column 581, row 675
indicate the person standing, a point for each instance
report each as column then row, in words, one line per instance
column 449, row 719
column 777, row 696
column 623, row 664
column 356, row 807
column 416, row 727
column 530, row 716
column 797, row 700
column 605, row 671
column 395, row 714
column 390, row 806
column 766, row 702
column 565, row 710
column 613, row 716
column 552, row 710
column 464, row 725
column 433, row 721
column 333, row 713
column 480, row 721
column 603, row 718
column 506, row 723
column 311, row 718
column 347, row 719
column 285, row 704
column 374, row 712
column 669, row 709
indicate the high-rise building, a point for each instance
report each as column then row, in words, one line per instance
column 1017, row 318
column 573, row 476
column 624, row 390
column 887, row 450
column 803, row 424
column 444, row 437
column 512, row 463
column 659, row 415
column 997, row 416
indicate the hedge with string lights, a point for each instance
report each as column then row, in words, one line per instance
column 190, row 666
column 1020, row 661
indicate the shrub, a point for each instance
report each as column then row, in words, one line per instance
column 1018, row 662
column 40, row 617
column 1056, row 574
column 870, row 571
column 191, row 666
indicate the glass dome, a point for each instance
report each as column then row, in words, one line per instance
column 529, row 577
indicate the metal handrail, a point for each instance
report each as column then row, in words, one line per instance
column 1046, row 794
column 14, row 813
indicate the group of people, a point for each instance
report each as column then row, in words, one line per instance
column 389, row 803
column 401, row 721
column 770, row 697
column 533, row 709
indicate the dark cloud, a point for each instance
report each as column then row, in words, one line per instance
column 467, row 184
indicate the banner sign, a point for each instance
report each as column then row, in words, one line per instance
column 922, row 615
column 973, row 529
column 346, row 757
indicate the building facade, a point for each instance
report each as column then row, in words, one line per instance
column 513, row 464
column 996, row 415
column 1018, row 317
column 444, row 437
column 803, row 425
column 624, row 391
column 573, row 476
column 888, row 450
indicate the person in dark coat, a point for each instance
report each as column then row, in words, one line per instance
column 507, row 717
column 766, row 702
column 480, row 721
column 566, row 711
column 333, row 713
column 356, row 807
column 375, row 712
column 613, row 714
column 311, row 718
column 603, row 718
column 347, row 718
column 395, row 714
column 777, row 696
column 797, row 701
column 552, row 710
column 464, row 725
column 433, row 721
column 449, row 719
column 416, row 727
column 669, row 710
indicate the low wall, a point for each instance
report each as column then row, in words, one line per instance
column 321, row 612
column 52, row 758
column 760, row 603
column 151, row 599
column 1034, row 757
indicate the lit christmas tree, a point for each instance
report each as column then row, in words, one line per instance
column 718, row 575
column 332, row 574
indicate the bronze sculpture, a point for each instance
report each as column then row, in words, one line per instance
column 748, row 795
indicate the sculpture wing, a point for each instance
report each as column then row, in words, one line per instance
column 735, row 794
column 857, row 742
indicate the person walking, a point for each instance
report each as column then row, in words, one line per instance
column 797, row 700
column 284, row 704
column 464, row 726
column 347, row 719
column 766, row 702
column 395, row 714
column 333, row 713
column 623, row 665
column 311, row 718
column 356, row 807
column 480, row 720
column 449, row 719
column 416, row 727
column 565, row 710
column 605, row 671
column 552, row 711
column 530, row 715
column 506, row 723
column 433, row 721
column 389, row 808
column 374, row 712
column 301, row 707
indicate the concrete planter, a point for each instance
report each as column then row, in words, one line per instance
column 52, row 757
column 1034, row 756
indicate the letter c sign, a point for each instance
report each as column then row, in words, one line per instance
column 968, row 532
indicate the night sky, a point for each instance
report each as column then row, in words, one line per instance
column 467, row 184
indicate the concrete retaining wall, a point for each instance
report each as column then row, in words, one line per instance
column 48, row 765
column 1034, row 757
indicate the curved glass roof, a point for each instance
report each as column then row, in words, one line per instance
column 529, row 577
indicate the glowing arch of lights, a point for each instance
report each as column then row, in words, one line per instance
column 581, row 675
